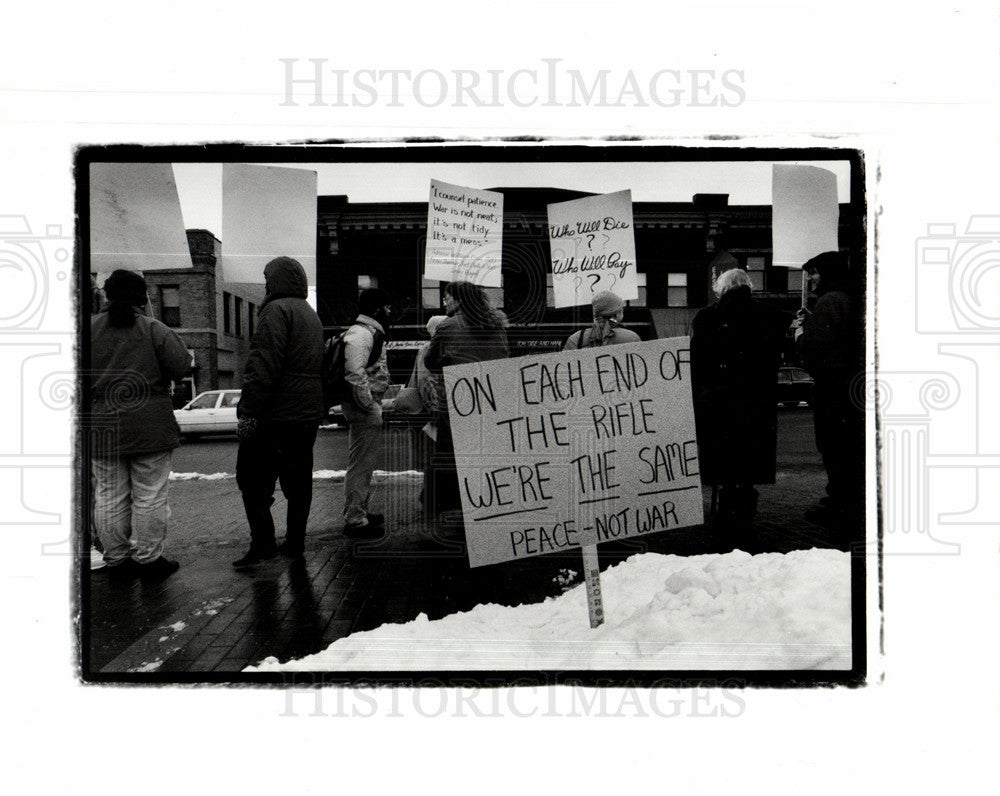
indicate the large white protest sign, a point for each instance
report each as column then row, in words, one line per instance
column 464, row 235
column 135, row 218
column 805, row 213
column 592, row 243
column 563, row 450
column 267, row 212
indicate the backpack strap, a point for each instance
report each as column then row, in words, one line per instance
column 579, row 343
column 378, row 340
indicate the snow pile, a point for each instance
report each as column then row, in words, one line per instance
column 716, row 612
column 201, row 476
column 318, row 475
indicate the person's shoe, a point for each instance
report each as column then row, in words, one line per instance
column 124, row 571
column 160, row 568
column 96, row 560
column 369, row 531
column 254, row 557
column 376, row 519
column 291, row 549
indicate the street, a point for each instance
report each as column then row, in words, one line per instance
column 796, row 446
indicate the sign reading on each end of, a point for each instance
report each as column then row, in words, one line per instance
column 464, row 235
column 592, row 242
column 556, row 451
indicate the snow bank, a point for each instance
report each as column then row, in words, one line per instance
column 732, row 611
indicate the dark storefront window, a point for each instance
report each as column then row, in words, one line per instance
column 227, row 322
column 170, row 304
column 238, row 316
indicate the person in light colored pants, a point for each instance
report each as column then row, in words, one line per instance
column 132, row 510
column 364, row 440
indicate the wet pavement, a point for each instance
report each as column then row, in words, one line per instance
column 209, row 621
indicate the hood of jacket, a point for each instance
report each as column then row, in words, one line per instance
column 285, row 278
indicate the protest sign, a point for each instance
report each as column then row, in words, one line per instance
column 805, row 214
column 135, row 219
column 267, row 212
column 464, row 235
column 592, row 243
column 574, row 448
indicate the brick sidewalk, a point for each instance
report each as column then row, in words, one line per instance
column 209, row 618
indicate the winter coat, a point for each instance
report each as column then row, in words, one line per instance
column 368, row 384
column 735, row 352
column 131, row 411
column 831, row 335
column 456, row 342
column 281, row 381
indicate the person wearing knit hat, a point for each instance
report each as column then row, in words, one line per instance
column 609, row 309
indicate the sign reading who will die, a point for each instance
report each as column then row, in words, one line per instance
column 575, row 448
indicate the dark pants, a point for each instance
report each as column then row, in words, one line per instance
column 840, row 436
column 443, row 494
column 278, row 452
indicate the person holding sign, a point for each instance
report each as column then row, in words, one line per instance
column 473, row 332
column 830, row 341
column 609, row 310
column 735, row 351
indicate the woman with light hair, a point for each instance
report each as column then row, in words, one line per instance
column 735, row 352
column 606, row 329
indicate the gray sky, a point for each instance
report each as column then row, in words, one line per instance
column 200, row 184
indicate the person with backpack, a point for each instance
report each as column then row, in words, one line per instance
column 609, row 310
column 279, row 412
column 367, row 377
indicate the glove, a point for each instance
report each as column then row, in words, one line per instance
column 246, row 428
column 374, row 416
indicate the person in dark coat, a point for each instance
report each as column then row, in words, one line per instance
column 735, row 351
column 133, row 431
column 473, row 332
column 279, row 412
column 830, row 341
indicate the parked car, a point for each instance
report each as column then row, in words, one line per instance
column 212, row 412
column 336, row 414
column 795, row 386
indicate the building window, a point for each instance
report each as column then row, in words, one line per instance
column 640, row 279
column 170, row 305
column 677, row 292
column 227, row 322
column 755, row 270
column 238, row 316
column 430, row 294
column 795, row 280
column 251, row 309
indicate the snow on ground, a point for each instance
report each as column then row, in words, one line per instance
column 716, row 612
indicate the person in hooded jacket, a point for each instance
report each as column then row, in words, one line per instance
column 279, row 412
column 735, row 352
column 830, row 341
column 132, row 428
column 367, row 373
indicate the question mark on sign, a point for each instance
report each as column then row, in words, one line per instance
column 596, row 278
column 590, row 240
column 577, row 281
